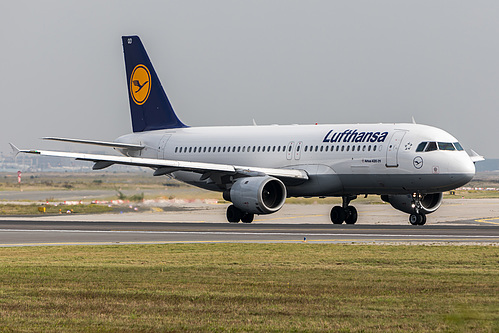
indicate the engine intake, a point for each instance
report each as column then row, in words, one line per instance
column 257, row 195
column 404, row 202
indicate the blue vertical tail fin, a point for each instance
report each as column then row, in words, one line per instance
column 149, row 105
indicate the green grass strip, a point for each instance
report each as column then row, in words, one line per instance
column 250, row 287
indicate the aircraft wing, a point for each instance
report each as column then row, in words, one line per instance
column 475, row 157
column 167, row 166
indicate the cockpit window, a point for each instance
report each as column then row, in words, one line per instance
column 431, row 146
column 458, row 146
column 446, row 146
column 421, row 146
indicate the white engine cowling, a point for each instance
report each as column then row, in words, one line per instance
column 257, row 195
column 404, row 202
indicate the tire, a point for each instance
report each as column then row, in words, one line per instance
column 234, row 214
column 352, row 215
column 423, row 220
column 415, row 219
column 338, row 215
column 247, row 218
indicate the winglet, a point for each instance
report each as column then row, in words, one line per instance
column 475, row 157
column 15, row 150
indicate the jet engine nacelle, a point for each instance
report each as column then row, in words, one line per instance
column 257, row 195
column 405, row 202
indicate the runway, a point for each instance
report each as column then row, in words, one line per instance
column 52, row 233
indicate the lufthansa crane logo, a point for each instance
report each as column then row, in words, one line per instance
column 140, row 84
column 418, row 162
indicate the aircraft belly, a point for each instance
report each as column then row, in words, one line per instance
column 402, row 183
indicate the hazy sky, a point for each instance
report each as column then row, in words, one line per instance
column 228, row 62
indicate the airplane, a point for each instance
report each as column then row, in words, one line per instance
column 257, row 167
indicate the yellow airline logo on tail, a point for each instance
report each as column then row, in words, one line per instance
column 140, row 84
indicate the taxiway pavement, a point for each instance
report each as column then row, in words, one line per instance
column 457, row 222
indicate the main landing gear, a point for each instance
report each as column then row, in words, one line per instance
column 344, row 213
column 235, row 215
column 418, row 218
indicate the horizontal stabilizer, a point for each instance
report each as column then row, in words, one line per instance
column 98, row 143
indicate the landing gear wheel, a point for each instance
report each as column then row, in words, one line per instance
column 417, row 219
column 351, row 215
column 247, row 218
column 338, row 215
column 234, row 214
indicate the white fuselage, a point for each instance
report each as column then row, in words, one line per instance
column 340, row 159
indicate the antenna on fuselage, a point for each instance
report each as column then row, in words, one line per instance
column 413, row 120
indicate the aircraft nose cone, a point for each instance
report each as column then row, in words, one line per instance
column 465, row 169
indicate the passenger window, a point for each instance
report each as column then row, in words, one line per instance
column 446, row 146
column 298, row 148
column 369, row 148
column 348, row 148
column 176, row 148
column 278, row 148
column 306, row 148
column 263, row 149
column 273, row 149
column 358, row 148
column 431, row 146
column 332, row 148
column 458, row 146
column 364, row 148
column 327, row 147
column 322, row 148
column 342, row 148
column 421, row 146
column 374, row 148
column 337, row 148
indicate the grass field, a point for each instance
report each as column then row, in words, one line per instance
column 250, row 287
column 32, row 209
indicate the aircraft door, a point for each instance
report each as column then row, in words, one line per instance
column 393, row 148
column 298, row 150
column 289, row 150
column 162, row 146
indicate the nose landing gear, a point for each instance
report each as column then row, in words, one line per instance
column 418, row 218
